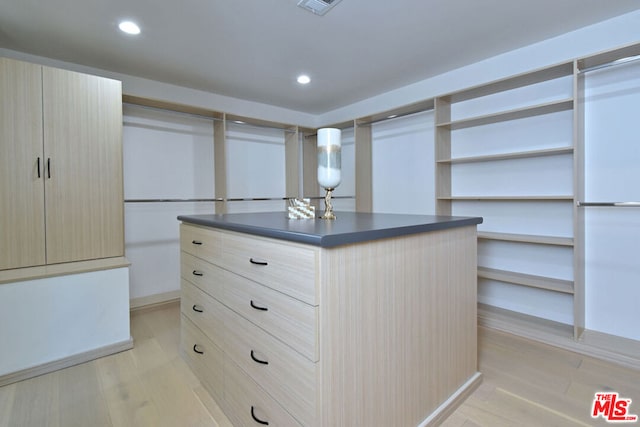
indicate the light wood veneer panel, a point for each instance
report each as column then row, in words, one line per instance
column 201, row 242
column 290, row 267
column 242, row 396
column 285, row 374
column 83, row 142
column 207, row 365
column 21, row 191
column 397, row 327
column 202, row 274
column 204, row 311
column 292, row 321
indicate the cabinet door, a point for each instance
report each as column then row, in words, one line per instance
column 83, row 181
column 21, row 191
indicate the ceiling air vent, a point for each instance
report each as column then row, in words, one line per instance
column 319, row 7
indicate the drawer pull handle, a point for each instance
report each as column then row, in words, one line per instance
column 195, row 348
column 196, row 242
column 258, row 420
column 198, row 273
column 256, row 262
column 257, row 307
column 255, row 359
column 197, row 309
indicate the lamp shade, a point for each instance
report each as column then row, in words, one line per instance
column 329, row 157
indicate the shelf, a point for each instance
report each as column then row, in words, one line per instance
column 520, row 80
column 510, row 156
column 526, row 238
column 518, row 113
column 507, row 198
column 530, row 280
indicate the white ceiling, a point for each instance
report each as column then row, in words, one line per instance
column 254, row 49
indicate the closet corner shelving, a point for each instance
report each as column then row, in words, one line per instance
column 448, row 122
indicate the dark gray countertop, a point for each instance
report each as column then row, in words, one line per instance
column 349, row 227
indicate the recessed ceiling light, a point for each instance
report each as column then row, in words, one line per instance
column 303, row 79
column 129, row 27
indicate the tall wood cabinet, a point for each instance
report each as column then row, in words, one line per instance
column 61, row 189
column 22, row 231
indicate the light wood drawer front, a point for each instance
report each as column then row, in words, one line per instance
column 288, row 268
column 287, row 376
column 201, row 273
column 246, row 404
column 201, row 242
column 204, row 357
column 204, row 311
column 292, row 321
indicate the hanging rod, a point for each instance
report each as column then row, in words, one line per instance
column 171, row 200
column 608, row 204
column 611, row 64
column 220, row 199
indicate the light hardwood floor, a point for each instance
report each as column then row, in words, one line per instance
column 525, row 384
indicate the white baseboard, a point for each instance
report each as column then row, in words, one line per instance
column 65, row 362
column 611, row 348
column 153, row 301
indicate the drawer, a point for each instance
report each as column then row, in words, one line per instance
column 246, row 404
column 204, row 311
column 288, row 268
column 200, row 273
column 284, row 374
column 203, row 357
column 201, row 242
column 292, row 321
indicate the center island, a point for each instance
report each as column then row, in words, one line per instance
column 366, row 320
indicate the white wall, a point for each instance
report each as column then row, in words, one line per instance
column 49, row 319
column 255, row 159
column 166, row 156
column 612, row 149
column 402, row 165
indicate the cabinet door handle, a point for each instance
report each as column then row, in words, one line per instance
column 49, row 167
column 38, row 167
column 196, row 242
column 198, row 273
column 195, row 348
column 197, row 309
column 255, row 359
column 256, row 262
column 257, row 307
column 258, row 420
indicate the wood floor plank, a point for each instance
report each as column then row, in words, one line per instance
column 128, row 401
column 177, row 404
column 36, row 403
column 80, row 398
column 220, row 418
